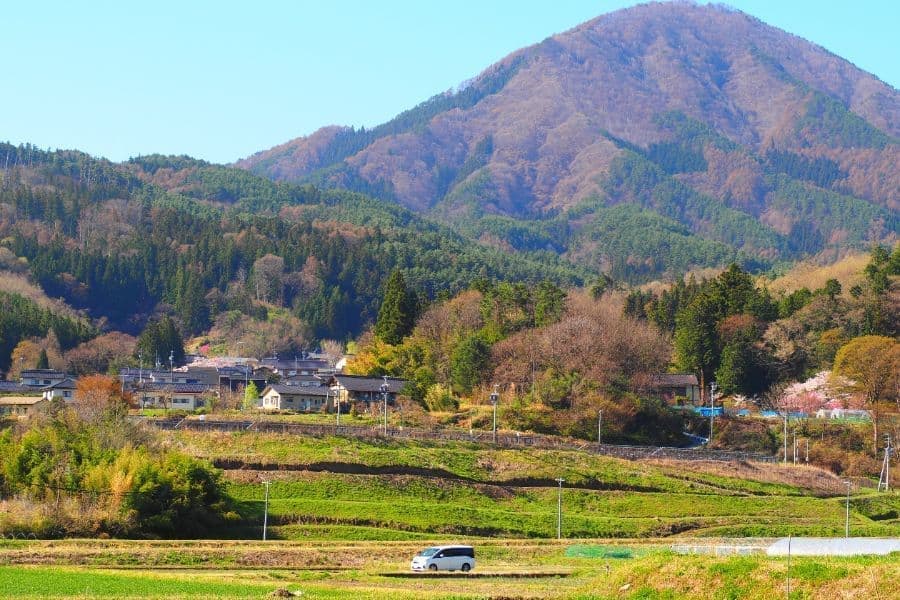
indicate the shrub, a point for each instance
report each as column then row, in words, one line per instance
column 439, row 399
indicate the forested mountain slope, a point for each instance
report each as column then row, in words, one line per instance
column 680, row 135
column 173, row 235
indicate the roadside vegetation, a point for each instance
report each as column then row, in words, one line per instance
column 89, row 471
column 507, row 568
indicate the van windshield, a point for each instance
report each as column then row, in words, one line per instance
column 428, row 552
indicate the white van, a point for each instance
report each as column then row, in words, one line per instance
column 444, row 558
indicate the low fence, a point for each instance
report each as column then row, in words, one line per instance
column 502, row 439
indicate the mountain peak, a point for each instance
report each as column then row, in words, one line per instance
column 727, row 108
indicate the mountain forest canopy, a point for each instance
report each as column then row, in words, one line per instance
column 643, row 144
column 736, row 148
column 214, row 248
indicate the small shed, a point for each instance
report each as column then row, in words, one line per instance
column 671, row 385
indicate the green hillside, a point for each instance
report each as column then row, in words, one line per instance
column 173, row 234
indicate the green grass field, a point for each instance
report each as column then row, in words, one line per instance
column 506, row 569
column 335, row 488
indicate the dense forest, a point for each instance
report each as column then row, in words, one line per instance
column 558, row 358
column 211, row 246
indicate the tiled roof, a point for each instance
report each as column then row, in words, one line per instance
column 42, row 373
column 303, row 380
column 177, row 388
column 20, row 400
column 66, row 384
column 297, row 390
column 674, row 380
column 357, row 383
column 7, row 387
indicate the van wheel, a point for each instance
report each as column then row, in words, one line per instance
column 466, row 567
column 432, row 567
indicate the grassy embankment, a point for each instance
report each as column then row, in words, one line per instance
column 365, row 570
column 336, row 488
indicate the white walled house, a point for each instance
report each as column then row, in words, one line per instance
column 176, row 396
column 295, row 397
column 63, row 390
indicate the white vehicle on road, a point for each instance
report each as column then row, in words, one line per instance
column 444, row 558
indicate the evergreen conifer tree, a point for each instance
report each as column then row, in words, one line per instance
column 43, row 361
column 398, row 311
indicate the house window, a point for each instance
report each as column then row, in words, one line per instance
column 67, row 394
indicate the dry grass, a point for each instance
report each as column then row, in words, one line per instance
column 15, row 283
column 848, row 271
column 810, row 478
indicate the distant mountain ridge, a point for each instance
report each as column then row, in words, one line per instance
column 727, row 138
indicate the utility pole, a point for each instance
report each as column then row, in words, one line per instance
column 337, row 403
column 807, row 449
column 712, row 411
column 266, row 510
column 788, row 573
column 884, row 479
column 384, row 396
column 560, row 481
column 599, row 428
column 795, row 447
column 495, row 400
column 171, row 378
column 848, row 483
column 785, row 435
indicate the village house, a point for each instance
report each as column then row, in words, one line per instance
column 295, row 397
column 41, row 377
column 20, row 406
column 64, row 390
column 177, row 396
column 296, row 366
column 348, row 389
column 673, row 386
column 304, row 381
column 14, row 388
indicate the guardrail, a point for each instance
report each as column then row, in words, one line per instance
column 503, row 439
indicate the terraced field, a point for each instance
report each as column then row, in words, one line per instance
column 334, row 488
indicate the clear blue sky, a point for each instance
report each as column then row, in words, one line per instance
column 220, row 80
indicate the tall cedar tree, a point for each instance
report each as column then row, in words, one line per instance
column 160, row 339
column 697, row 340
column 397, row 315
column 43, row 361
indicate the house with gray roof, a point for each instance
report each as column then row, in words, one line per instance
column 347, row 389
column 295, row 397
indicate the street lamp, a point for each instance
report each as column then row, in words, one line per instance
column 384, row 396
column 848, row 483
column 495, row 399
column 266, row 510
column 560, row 481
column 712, row 411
